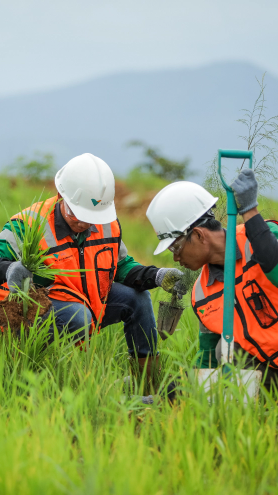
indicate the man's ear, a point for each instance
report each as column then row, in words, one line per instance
column 59, row 196
column 199, row 234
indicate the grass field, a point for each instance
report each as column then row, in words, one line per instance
column 67, row 424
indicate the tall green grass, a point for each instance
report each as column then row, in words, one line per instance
column 68, row 424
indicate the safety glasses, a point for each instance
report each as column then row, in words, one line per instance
column 177, row 245
column 70, row 213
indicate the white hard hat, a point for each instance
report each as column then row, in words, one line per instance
column 175, row 208
column 87, row 185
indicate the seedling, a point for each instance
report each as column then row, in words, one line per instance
column 32, row 231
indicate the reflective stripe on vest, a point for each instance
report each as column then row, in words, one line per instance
column 99, row 253
column 49, row 237
column 8, row 236
column 256, row 300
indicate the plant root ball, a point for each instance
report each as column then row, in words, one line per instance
column 12, row 311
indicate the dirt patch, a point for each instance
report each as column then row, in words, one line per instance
column 12, row 311
column 130, row 202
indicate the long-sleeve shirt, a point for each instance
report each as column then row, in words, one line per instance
column 263, row 237
column 129, row 272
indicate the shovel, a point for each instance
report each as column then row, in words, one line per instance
column 250, row 378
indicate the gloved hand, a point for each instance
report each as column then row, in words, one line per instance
column 245, row 188
column 170, row 279
column 16, row 273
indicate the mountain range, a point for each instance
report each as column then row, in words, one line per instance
column 183, row 112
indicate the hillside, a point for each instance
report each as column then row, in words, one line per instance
column 185, row 112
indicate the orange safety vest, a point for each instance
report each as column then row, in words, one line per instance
column 99, row 254
column 256, row 304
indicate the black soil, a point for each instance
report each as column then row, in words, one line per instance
column 12, row 311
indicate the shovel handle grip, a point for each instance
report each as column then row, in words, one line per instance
column 238, row 154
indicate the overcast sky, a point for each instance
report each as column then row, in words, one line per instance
column 47, row 44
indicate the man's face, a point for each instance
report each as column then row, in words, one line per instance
column 76, row 225
column 194, row 253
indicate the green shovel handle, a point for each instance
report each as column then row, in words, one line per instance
column 239, row 154
column 230, row 251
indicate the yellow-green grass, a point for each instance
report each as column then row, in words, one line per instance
column 68, row 426
column 16, row 193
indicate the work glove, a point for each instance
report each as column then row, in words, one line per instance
column 171, row 280
column 16, row 273
column 245, row 189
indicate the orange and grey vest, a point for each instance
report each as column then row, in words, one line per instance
column 256, row 305
column 99, row 254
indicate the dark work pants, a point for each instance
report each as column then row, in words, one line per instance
column 124, row 304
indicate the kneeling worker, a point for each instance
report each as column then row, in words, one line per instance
column 183, row 219
column 83, row 232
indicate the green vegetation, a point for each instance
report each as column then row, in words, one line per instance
column 19, row 191
column 38, row 169
column 261, row 136
column 28, row 236
column 68, row 426
column 158, row 165
column 141, row 182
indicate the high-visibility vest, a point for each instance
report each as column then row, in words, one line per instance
column 256, row 305
column 99, row 254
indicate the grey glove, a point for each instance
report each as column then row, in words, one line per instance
column 170, row 279
column 245, row 188
column 16, row 273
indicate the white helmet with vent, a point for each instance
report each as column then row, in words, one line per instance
column 175, row 208
column 87, row 185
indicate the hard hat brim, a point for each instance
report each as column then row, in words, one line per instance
column 163, row 245
column 95, row 217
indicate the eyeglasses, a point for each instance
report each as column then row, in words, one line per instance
column 177, row 245
column 70, row 213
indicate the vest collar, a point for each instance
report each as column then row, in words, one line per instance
column 216, row 272
column 62, row 229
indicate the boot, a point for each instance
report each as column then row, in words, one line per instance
column 152, row 369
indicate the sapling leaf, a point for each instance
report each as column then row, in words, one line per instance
column 25, row 286
column 32, row 227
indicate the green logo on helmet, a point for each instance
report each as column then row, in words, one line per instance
column 95, row 202
column 202, row 311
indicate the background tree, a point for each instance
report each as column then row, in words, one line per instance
column 38, row 169
column 160, row 166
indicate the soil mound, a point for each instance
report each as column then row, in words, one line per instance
column 12, row 311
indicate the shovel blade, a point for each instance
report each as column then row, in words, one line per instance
column 248, row 379
column 251, row 380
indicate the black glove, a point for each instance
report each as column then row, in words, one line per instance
column 245, row 189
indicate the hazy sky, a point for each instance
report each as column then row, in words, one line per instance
column 46, row 44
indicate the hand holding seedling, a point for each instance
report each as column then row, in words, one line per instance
column 171, row 280
column 16, row 274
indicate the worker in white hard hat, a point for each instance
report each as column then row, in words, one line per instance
column 183, row 219
column 83, row 232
